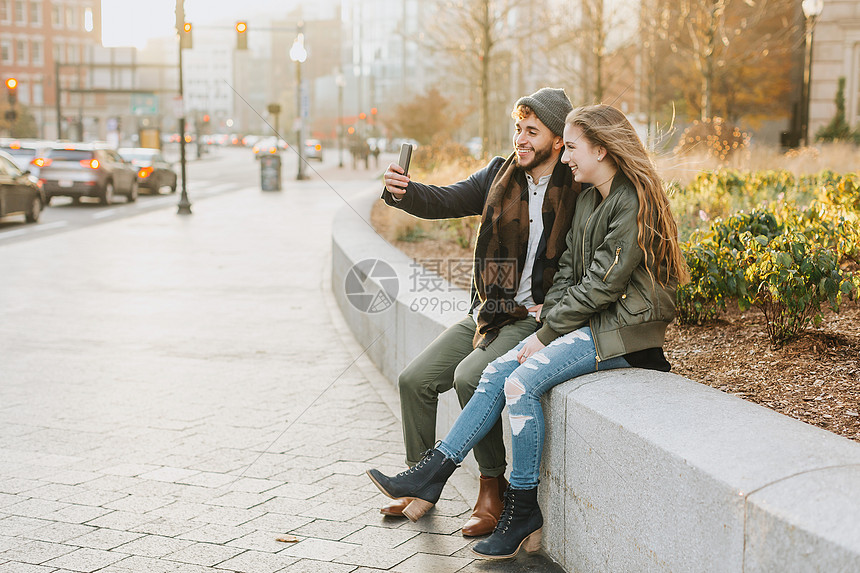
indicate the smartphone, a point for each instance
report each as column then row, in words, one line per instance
column 405, row 157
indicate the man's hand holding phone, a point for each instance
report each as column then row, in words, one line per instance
column 396, row 180
column 397, row 176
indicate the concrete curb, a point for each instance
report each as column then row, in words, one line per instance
column 646, row 471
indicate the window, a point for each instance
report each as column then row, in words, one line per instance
column 21, row 52
column 70, row 154
column 36, row 53
column 5, row 11
column 56, row 15
column 6, row 51
column 35, row 13
column 23, row 92
column 20, row 15
column 38, row 93
column 70, row 18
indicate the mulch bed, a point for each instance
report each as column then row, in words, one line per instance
column 815, row 378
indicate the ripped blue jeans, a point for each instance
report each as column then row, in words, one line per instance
column 520, row 386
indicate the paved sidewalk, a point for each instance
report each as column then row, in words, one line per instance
column 158, row 402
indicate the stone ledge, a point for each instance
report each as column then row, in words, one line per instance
column 646, row 471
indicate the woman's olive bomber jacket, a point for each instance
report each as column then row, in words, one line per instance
column 602, row 281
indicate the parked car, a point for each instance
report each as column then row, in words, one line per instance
column 153, row 171
column 20, row 192
column 268, row 145
column 87, row 170
column 313, row 149
column 24, row 152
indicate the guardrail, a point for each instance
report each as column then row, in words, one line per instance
column 645, row 471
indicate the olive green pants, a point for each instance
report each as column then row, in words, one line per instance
column 451, row 362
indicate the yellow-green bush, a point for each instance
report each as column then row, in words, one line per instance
column 784, row 260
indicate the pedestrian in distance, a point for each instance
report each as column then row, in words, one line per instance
column 609, row 307
column 526, row 203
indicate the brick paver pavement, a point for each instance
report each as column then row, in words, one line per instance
column 177, row 393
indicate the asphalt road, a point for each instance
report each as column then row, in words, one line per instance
column 222, row 170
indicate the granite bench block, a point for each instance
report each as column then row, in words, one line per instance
column 647, row 471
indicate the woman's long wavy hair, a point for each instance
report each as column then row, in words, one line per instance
column 605, row 126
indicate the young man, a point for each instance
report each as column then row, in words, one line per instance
column 526, row 205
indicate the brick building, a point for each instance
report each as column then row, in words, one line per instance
column 35, row 36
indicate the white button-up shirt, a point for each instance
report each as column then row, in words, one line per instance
column 537, row 192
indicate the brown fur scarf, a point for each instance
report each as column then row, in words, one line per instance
column 500, row 251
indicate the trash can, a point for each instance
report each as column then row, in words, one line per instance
column 270, row 172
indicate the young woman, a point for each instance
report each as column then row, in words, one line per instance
column 609, row 306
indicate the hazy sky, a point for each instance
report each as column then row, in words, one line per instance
column 127, row 23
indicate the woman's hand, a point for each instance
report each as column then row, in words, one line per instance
column 536, row 309
column 531, row 346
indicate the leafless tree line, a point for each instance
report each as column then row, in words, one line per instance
column 652, row 58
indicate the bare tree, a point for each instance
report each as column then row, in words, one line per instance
column 474, row 34
column 724, row 39
column 582, row 47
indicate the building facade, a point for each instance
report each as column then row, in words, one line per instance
column 835, row 54
column 42, row 41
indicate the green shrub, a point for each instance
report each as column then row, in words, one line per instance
column 841, row 191
column 788, row 278
column 838, row 129
column 826, row 225
column 412, row 233
column 462, row 231
column 716, row 274
column 760, row 221
column 715, row 278
column 720, row 193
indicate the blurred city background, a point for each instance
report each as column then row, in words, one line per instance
column 421, row 69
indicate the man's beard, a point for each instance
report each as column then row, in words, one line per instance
column 540, row 155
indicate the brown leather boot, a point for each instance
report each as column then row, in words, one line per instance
column 396, row 506
column 488, row 508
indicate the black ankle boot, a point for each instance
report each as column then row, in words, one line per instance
column 423, row 481
column 519, row 526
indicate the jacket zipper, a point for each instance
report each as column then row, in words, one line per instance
column 593, row 338
column 596, row 352
column 617, row 254
column 584, row 232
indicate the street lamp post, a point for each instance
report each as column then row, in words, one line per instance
column 298, row 54
column 275, row 111
column 340, row 81
column 811, row 10
column 184, row 207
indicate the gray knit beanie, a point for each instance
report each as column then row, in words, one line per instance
column 551, row 106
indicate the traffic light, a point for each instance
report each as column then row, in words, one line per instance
column 12, row 90
column 180, row 14
column 185, row 37
column 241, row 35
